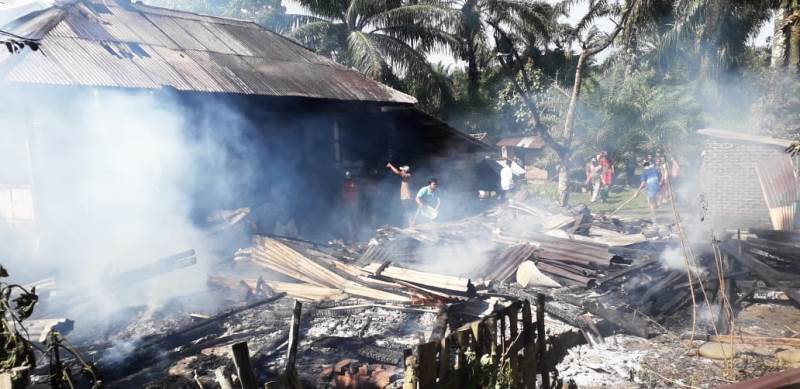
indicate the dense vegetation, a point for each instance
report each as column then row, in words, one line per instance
column 627, row 76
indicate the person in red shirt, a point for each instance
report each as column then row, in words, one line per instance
column 349, row 199
column 606, row 173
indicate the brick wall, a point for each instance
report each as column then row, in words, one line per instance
column 730, row 185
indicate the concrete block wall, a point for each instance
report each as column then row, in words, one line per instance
column 729, row 183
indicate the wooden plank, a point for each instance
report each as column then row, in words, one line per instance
column 762, row 270
column 462, row 338
column 159, row 267
column 244, row 369
column 421, row 278
column 444, row 360
column 513, row 330
column 427, row 364
column 529, row 366
column 541, row 342
column 294, row 334
column 308, row 292
column 477, row 328
column 490, row 338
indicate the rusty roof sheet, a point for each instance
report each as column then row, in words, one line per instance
column 120, row 44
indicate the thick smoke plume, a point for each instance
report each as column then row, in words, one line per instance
column 119, row 180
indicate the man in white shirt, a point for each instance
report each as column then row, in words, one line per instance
column 506, row 179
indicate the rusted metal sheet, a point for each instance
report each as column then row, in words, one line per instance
column 121, row 44
column 785, row 379
column 779, row 186
column 505, row 263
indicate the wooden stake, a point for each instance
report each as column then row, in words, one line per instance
column 529, row 365
column 294, row 334
column 541, row 345
column 241, row 359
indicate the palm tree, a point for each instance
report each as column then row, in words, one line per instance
column 717, row 31
column 479, row 19
column 383, row 39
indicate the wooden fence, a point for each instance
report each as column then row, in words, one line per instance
column 509, row 337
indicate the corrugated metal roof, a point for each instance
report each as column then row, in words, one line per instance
column 119, row 44
column 743, row 137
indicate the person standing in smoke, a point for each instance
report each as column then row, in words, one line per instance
column 506, row 180
column 428, row 201
column 594, row 177
column 651, row 180
column 406, row 204
column 607, row 174
column 349, row 198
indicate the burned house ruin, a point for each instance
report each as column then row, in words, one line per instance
column 284, row 118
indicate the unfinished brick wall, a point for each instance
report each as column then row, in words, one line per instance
column 730, row 185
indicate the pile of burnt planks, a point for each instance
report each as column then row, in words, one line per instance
column 317, row 276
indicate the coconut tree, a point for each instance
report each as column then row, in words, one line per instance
column 717, row 31
column 384, row 39
column 480, row 19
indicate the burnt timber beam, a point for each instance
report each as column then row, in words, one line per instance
column 770, row 276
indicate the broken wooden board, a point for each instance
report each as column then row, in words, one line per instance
column 600, row 236
column 432, row 280
column 556, row 222
column 306, row 292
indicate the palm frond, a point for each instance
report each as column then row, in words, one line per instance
column 331, row 9
column 364, row 54
column 429, row 15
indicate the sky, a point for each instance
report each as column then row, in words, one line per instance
column 766, row 31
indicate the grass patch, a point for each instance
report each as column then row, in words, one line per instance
column 637, row 208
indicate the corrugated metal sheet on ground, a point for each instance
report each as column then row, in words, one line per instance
column 84, row 43
column 505, row 263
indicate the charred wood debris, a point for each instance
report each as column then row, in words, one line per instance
column 304, row 314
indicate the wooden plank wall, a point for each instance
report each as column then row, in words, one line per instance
column 508, row 336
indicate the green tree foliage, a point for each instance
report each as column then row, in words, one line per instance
column 385, row 40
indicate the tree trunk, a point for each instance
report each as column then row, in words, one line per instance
column 471, row 24
column 780, row 36
column 794, row 36
column 569, row 127
column 473, row 75
column 569, row 123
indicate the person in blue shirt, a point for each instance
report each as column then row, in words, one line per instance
column 651, row 181
column 428, row 201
